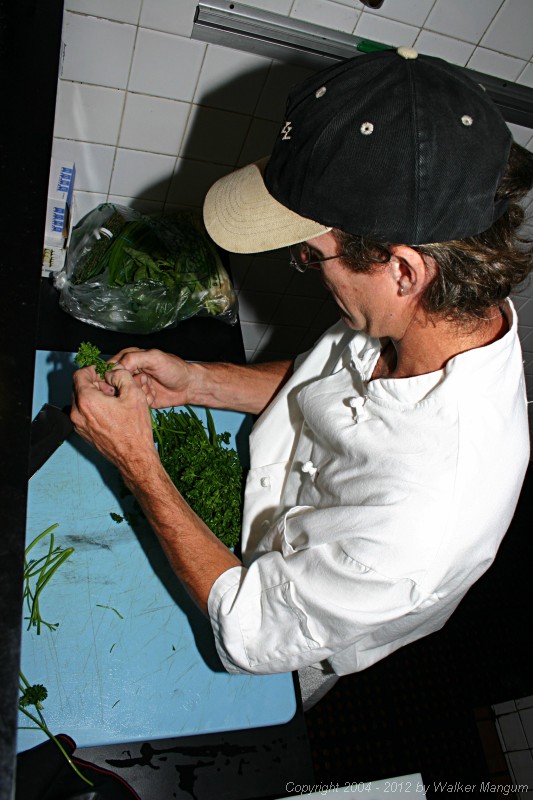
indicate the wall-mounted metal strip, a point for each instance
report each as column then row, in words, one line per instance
column 315, row 47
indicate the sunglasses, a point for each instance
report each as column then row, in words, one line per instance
column 301, row 257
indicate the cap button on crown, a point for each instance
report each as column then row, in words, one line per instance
column 407, row 52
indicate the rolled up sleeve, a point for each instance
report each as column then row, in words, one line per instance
column 260, row 626
column 292, row 609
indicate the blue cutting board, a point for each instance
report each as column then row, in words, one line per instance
column 132, row 657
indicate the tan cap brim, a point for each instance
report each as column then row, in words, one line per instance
column 242, row 217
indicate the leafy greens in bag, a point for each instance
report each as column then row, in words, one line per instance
column 130, row 272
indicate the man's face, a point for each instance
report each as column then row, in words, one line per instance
column 367, row 301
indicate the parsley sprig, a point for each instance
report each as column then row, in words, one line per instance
column 88, row 355
column 35, row 696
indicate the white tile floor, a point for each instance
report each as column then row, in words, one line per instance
column 514, row 723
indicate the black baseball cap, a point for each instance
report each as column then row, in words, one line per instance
column 396, row 146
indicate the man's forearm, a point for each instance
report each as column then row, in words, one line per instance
column 247, row 388
column 193, row 551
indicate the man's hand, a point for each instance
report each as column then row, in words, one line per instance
column 113, row 415
column 168, row 380
column 164, row 378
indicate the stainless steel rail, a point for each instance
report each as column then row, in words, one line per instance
column 293, row 41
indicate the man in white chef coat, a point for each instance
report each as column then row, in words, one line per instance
column 386, row 463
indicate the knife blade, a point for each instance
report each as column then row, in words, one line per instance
column 48, row 431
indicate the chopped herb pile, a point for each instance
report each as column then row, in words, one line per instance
column 89, row 356
column 203, row 468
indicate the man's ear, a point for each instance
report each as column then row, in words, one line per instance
column 410, row 270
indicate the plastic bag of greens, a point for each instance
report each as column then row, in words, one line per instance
column 129, row 272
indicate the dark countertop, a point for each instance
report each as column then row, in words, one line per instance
column 195, row 339
column 254, row 764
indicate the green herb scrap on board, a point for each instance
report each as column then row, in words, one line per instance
column 38, row 572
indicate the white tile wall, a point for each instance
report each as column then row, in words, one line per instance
column 510, row 30
column 280, row 79
column 275, row 6
column 119, row 10
column 514, row 723
column 230, row 80
column 97, row 51
column 94, row 163
column 527, row 76
column 89, row 113
column 166, row 65
column 152, row 118
column 214, row 135
column 497, row 64
column 388, row 31
column 168, row 15
column 413, row 12
column 85, row 202
column 139, row 174
column 153, row 124
column 465, row 21
column 437, row 44
column 338, row 16
column 521, row 134
column 191, row 180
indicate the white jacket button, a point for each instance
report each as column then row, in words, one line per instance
column 265, row 482
column 357, row 403
column 310, row 468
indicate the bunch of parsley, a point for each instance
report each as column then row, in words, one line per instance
column 203, row 468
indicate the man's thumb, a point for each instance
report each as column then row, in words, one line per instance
column 119, row 378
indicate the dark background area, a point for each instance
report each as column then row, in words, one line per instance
column 30, row 35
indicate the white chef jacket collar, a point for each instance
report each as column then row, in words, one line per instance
column 365, row 352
